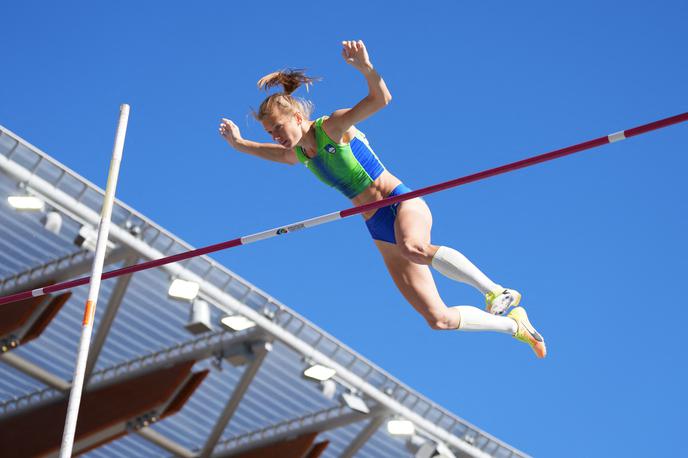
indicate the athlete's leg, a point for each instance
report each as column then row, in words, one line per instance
column 416, row 284
column 407, row 262
column 412, row 231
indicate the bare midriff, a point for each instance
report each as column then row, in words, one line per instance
column 378, row 190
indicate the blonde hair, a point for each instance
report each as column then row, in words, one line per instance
column 290, row 80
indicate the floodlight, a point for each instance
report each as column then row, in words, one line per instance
column 417, row 446
column 199, row 318
column 328, row 388
column 400, row 428
column 319, row 372
column 236, row 322
column 427, row 450
column 182, row 289
column 52, row 221
column 26, row 202
column 87, row 238
column 355, row 403
column 422, row 447
column 443, row 451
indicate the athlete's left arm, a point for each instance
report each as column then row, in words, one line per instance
column 355, row 53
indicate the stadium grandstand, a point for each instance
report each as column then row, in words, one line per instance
column 188, row 359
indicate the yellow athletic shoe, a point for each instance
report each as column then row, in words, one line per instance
column 525, row 332
column 498, row 302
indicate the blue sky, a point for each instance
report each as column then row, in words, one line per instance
column 596, row 242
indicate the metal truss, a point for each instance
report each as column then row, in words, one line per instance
column 324, row 420
column 108, row 318
column 259, row 351
column 219, row 343
column 363, row 437
column 246, row 344
column 35, row 371
column 69, row 266
column 164, row 442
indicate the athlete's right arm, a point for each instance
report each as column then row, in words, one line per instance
column 270, row 151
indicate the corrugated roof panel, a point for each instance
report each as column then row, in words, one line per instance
column 129, row 446
column 340, row 438
column 382, row 444
column 15, row 383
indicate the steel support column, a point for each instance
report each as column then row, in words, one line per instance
column 34, row 371
column 108, row 317
column 166, row 443
column 363, row 437
column 259, row 352
column 325, row 420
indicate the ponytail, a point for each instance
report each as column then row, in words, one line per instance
column 290, row 80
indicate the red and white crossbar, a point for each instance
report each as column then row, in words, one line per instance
column 356, row 210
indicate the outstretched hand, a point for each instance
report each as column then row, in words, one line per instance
column 230, row 132
column 355, row 53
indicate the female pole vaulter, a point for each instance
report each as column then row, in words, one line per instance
column 340, row 155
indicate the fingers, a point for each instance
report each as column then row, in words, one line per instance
column 226, row 124
column 346, row 50
column 227, row 127
column 354, row 44
column 351, row 48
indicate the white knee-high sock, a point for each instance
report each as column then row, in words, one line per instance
column 456, row 266
column 474, row 319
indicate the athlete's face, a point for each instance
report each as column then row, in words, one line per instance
column 284, row 128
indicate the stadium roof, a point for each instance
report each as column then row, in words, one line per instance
column 163, row 378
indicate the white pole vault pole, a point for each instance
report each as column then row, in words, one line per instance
column 96, row 273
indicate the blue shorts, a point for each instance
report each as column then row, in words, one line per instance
column 381, row 224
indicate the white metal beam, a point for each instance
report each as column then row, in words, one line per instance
column 166, row 443
column 108, row 317
column 363, row 437
column 69, row 266
column 35, row 371
column 196, row 349
column 259, row 352
column 335, row 417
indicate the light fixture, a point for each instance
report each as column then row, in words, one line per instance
column 355, row 403
column 26, row 202
column 328, row 388
column 443, row 451
column 87, row 238
column 133, row 229
column 52, row 221
column 236, row 322
column 421, row 447
column 199, row 318
column 182, row 289
column 416, row 445
column 319, row 372
column 400, row 428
